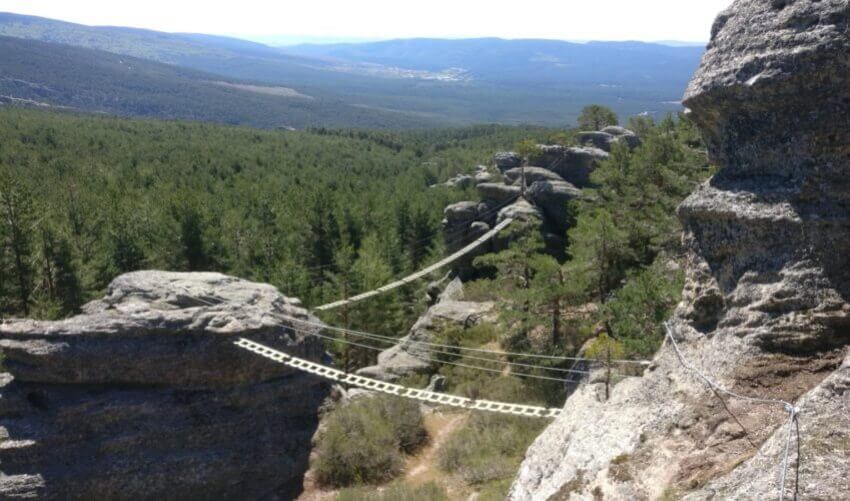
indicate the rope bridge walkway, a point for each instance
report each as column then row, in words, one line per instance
column 395, row 389
column 416, row 276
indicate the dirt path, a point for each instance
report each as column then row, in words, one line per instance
column 422, row 467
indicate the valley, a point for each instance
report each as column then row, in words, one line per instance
column 395, row 84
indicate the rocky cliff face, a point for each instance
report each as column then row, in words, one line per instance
column 766, row 309
column 145, row 396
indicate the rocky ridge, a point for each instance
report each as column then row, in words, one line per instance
column 767, row 298
column 543, row 208
column 144, row 395
column 555, row 177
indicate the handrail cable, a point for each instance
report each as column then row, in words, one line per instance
column 416, row 276
column 369, row 335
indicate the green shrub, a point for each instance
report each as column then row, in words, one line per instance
column 425, row 492
column 637, row 311
column 363, row 442
column 405, row 420
column 489, row 448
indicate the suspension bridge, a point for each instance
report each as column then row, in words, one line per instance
column 478, row 355
column 472, row 358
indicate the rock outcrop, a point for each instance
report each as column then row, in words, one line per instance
column 532, row 175
column 482, row 174
column 451, row 312
column 144, row 395
column 552, row 197
column 766, row 306
column 606, row 138
column 573, row 164
column 507, row 160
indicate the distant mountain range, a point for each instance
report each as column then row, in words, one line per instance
column 398, row 83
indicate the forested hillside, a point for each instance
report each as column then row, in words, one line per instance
column 98, row 81
column 327, row 213
column 86, row 198
column 400, row 83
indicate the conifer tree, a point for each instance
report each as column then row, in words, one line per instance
column 17, row 210
column 596, row 117
column 600, row 253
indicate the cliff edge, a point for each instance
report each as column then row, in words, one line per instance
column 145, row 396
column 766, row 306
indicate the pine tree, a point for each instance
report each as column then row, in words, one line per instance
column 59, row 273
column 18, row 220
column 600, row 253
column 596, row 117
column 606, row 350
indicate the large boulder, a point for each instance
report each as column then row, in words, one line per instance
column 521, row 211
column 497, row 192
column 461, row 213
column 597, row 139
column 532, row 175
column 608, row 137
column 409, row 356
column 766, row 305
column 575, row 164
column 507, row 160
column 553, row 197
column 145, row 395
column 547, row 154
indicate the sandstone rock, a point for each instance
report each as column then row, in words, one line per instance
column 766, row 306
column 483, row 177
column 609, row 136
column 461, row 213
column 598, row 139
column 577, row 163
column 461, row 181
column 507, row 160
column 532, row 175
column 623, row 135
column 548, row 154
column 477, row 229
column 552, row 197
column 522, row 211
column 408, row 357
column 498, row 193
column 145, row 395
column 616, row 130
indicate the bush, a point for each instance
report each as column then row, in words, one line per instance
column 405, row 421
column 425, row 492
column 489, row 448
column 363, row 442
column 639, row 308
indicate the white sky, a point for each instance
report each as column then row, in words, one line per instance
column 647, row 20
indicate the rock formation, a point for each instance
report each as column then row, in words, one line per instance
column 407, row 357
column 507, row 160
column 606, row 138
column 481, row 175
column 766, row 307
column 144, row 395
column 549, row 188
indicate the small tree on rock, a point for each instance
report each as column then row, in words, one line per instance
column 596, row 117
column 606, row 350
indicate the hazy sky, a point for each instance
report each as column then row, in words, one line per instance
column 648, row 20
